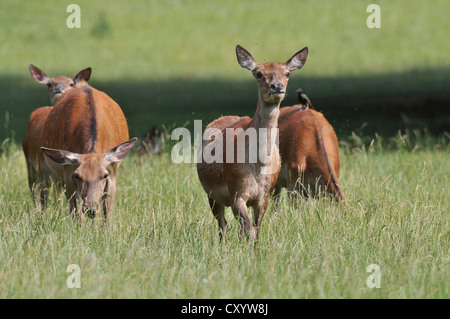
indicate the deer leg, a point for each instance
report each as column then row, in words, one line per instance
column 258, row 211
column 43, row 188
column 316, row 184
column 33, row 183
column 239, row 207
column 276, row 194
column 293, row 183
column 31, row 179
column 219, row 213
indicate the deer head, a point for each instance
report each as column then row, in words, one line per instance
column 90, row 176
column 60, row 84
column 272, row 77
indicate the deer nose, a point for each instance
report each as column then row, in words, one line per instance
column 58, row 90
column 89, row 211
column 277, row 87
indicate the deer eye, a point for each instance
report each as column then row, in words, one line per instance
column 258, row 75
column 49, row 85
column 72, row 84
column 287, row 74
column 105, row 176
column 77, row 177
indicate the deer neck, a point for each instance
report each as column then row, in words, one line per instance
column 266, row 115
column 264, row 122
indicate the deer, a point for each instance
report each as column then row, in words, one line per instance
column 58, row 85
column 244, row 184
column 309, row 152
column 82, row 141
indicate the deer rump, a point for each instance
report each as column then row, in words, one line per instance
column 85, row 120
column 309, row 152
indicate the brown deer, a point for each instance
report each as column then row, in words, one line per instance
column 83, row 138
column 309, row 152
column 57, row 86
column 246, row 183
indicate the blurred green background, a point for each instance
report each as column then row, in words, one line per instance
column 170, row 62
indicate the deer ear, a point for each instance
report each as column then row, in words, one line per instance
column 298, row 60
column 62, row 157
column 83, row 75
column 120, row 152
column 38, row 75
column 245, row 59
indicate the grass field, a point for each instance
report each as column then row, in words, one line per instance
column 385, row 91
column 163, row 240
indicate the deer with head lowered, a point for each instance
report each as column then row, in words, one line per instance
column 246, row 183
column 309, row 152
column 82, row 141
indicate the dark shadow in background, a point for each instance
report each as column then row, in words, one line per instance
column 382, row 104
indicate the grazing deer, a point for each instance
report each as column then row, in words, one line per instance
column 309, row 151
column 58, row 85
column 82, row 141
column 248, row 184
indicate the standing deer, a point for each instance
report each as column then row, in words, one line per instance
column 309, row 152
column 83, row 139
column 57, row 86
column 248, row 184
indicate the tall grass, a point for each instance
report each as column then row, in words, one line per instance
column 163, row 240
